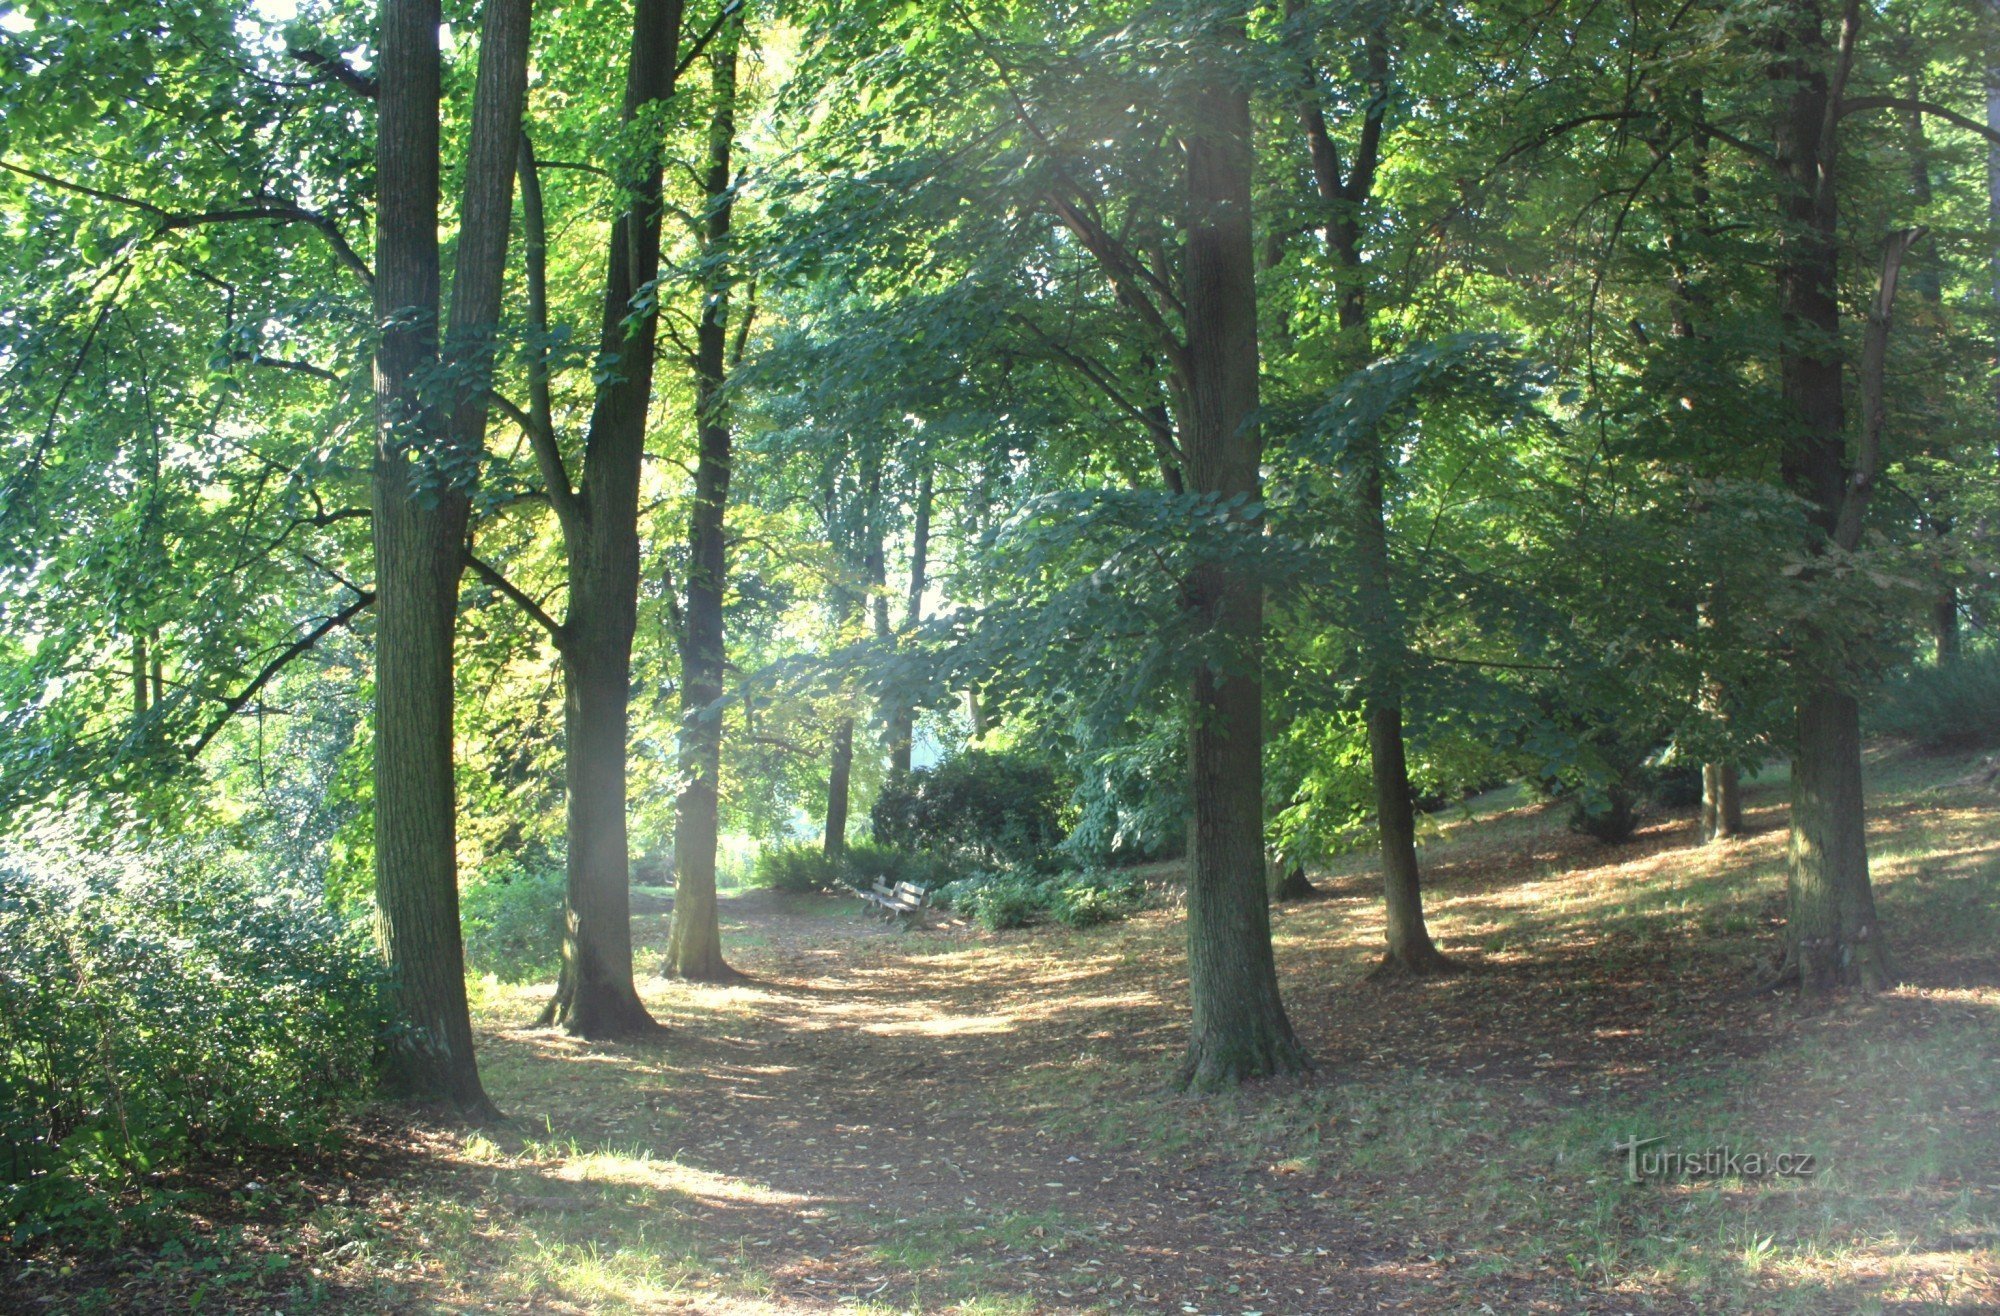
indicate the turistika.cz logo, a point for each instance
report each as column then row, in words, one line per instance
column 1708, row 1162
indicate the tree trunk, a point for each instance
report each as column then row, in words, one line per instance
column 139, row 673
column 1295, row 885
column 1721, row 802
column 1835, row 939
column 419, row 531
column 595, row 996
column 1239, row 1030
column 839, row 769
column 1832, row 934
column 1409, row 948
column 694, row 949
column 1721, row 784
column 598, row 998
column 1927, row 278
column 903, row 718
column 1993, row 190
column 1944, row 625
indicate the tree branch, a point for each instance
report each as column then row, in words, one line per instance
column 1914, row 105
column 520, row 597
column 237, row 702
column 1874, row 356
column 334, row 69
column 259, row 208
column 701, row 42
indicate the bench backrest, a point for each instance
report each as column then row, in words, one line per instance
column 911, row 892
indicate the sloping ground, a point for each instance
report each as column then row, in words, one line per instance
column 948, row 1121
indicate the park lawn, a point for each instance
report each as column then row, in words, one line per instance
column 947, row 1120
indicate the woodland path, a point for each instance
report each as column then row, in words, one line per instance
column 874, row 1108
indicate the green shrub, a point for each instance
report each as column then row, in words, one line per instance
column 1955, row 705
column 800, row 868
column 512, row 918
column 152, row 1014
column 1016, row 898
column 865, row 864
column 998, row 809
column 1609, row 814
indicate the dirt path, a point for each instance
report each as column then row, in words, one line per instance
column 886, row 1096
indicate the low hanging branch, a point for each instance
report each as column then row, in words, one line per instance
column 238, row 702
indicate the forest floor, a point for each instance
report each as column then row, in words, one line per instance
column 943, row 1120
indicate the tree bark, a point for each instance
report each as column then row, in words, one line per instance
column 1239, row 1029
column 420, row 494
column 1993, row 190
column 694, row 948
column 1721, row 802
column 840, row 769
column 595, row 996
column 1832, row 936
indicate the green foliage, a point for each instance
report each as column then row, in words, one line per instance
column 1017, row 897
column 512, row 918
column 1953, row 705
column 978, row 807
column 801, row 868
column 154, row 1013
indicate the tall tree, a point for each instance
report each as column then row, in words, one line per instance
column 599, row 516
column 1835, row 938
column 1346, row 196
column 426, row 457
column 1239, row 1030
column 694, row 948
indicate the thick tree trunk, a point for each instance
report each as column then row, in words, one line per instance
column 595, row 996
column 1239, row 1029
column 1832, row 934
column 1836, row 941
column 694, row 948
column 598, row 998
column 423, row 469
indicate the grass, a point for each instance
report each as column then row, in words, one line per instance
column 949, row 1122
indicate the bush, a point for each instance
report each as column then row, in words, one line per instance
column 150, row 1015
column 996, row 809
column 1952, row 706
column 1672, row 785
column 800, row 868
column 1609, row 815
column 865, row 864
column 1016, row 898
column 512, row 918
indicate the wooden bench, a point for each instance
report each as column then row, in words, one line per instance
column 899, row 901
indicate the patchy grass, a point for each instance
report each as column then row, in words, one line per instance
column 941, row 1121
